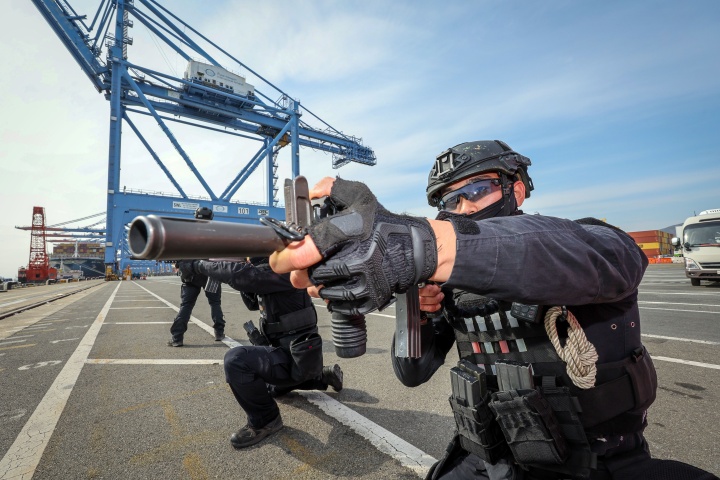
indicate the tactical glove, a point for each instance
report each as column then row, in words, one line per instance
column 462, row 304
column 369, row 253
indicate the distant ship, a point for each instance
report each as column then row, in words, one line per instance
column 80, row 259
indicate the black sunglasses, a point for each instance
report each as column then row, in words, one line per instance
column 471, row 192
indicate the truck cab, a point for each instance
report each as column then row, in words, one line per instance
column 700, row 244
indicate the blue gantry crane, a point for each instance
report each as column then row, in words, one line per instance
column 209, row 96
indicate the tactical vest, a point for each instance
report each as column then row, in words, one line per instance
column 284, row 328
column 545, row 422
column 297, row 333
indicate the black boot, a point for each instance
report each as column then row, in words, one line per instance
column 248, row 435
column 333, row 376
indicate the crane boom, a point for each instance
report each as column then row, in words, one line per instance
column 67, row 28
column 208, row 96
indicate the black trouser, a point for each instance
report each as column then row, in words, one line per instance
column 188, row 296
column 248, row 370
column 636, row 465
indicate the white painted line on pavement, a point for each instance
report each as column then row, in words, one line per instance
column 12, row 303
column 133, row 308
column 170, row 305
column 135, row 301
column 11, row 341
column 687, row 362
column 661, row 337
column 227, row 340
column 138, row 323
column 154, row 361
column 385, row 441
column 678, row 303
column 23, row 456
column 677, row 293
column 65, row 340
column 674, row 310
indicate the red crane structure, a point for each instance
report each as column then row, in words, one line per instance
column 38, row 269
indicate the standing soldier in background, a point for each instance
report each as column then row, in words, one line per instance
column 192, row 284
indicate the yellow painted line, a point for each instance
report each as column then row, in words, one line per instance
column 193, row 465
column 168, row 451
column 172, row 418
column 155, row 403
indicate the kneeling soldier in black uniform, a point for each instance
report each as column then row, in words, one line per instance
column 287, row 350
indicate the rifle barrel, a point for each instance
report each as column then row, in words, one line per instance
column 153, row 237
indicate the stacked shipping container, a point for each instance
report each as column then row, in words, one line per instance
column 84, row 249
column 653, row 243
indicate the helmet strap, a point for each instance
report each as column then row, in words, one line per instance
column 506, row 206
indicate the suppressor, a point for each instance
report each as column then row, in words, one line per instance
column 166, row 238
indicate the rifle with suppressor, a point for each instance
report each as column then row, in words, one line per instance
column 153, row 237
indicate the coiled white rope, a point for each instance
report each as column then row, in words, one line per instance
column 578, row 354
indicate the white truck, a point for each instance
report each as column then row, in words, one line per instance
column 699, row 239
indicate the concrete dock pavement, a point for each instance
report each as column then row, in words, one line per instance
column 90, row 390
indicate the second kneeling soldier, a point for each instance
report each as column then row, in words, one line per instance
column 286, row 352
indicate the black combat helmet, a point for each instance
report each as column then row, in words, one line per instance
column 473, row 158
column 204, row 213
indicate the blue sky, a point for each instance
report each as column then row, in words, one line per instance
column 616, row 102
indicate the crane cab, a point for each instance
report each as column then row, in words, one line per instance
column 218, row 78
